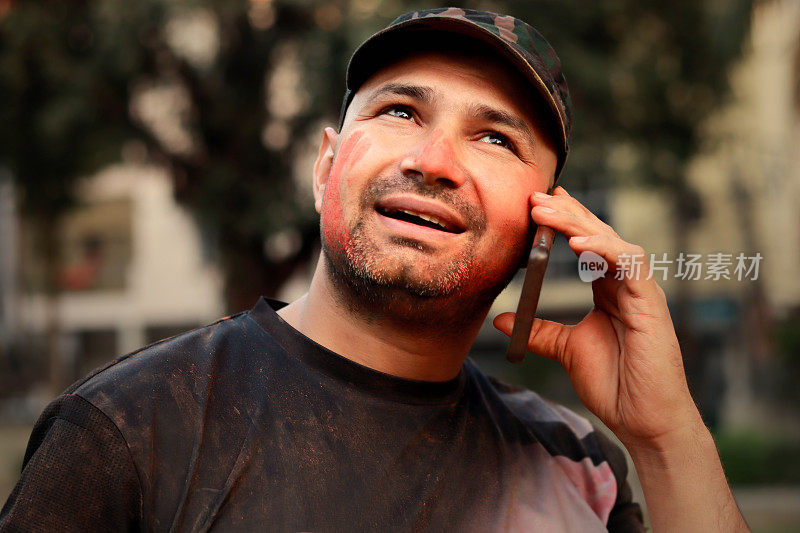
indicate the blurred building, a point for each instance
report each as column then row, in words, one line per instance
column 133, row 269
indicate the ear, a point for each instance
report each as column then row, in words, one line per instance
column 323, row 165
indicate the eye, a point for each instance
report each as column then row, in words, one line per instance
column 399, row 111
column 498, row 139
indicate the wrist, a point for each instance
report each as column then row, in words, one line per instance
column 687, row 440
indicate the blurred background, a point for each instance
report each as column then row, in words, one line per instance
column 155, row 175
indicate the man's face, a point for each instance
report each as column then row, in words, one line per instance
column 427, row 191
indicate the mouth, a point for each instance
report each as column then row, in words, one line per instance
column 421, row 212
column 421, row 219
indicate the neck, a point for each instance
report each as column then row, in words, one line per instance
column 428, row 350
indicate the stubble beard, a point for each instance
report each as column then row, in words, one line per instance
column 384, row 283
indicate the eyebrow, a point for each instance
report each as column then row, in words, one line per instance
column 418, row 92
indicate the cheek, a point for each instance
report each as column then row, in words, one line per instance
column 508, row 246
column 337, row 234
column 507, row 238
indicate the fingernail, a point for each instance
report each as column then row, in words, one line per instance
column 541, row 195
column 579, row 239
column 543, row 209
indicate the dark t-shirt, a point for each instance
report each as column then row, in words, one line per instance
column 248, row 425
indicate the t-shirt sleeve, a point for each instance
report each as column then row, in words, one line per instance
column 77, row 475
column 626, row 515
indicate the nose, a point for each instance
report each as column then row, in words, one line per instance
column 435, row 160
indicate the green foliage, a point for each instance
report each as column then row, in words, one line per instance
column 752, row 458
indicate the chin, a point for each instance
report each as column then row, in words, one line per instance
column 411, row 290
column 410, row 267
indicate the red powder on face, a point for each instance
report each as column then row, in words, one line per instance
column 337, row 234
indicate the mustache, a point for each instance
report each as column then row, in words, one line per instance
column 380, row 188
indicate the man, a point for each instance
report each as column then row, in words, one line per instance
column 354, row 407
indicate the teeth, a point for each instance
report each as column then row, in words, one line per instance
column 435, row 220
column 443, row 224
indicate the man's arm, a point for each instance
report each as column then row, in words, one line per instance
column 625, row 363
column 684, row 484
column 78, row 475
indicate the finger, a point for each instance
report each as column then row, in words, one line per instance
column 562, row 199
column 569, row 223
column 561, row 191
column 567, row 213
column 548, row 339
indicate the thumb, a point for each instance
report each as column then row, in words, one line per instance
column 548, row 339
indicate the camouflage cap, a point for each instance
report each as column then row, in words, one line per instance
column 525, row 49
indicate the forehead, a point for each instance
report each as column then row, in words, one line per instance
column 482, row 72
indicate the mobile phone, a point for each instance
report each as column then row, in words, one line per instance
column 529, row 297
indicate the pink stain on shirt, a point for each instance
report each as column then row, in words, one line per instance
column 596, row 484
